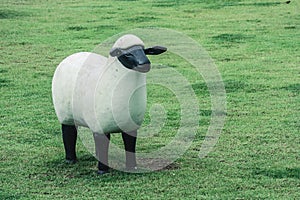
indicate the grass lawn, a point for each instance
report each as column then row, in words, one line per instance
column 255, row 45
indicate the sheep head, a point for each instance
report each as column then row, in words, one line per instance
column 130, row 51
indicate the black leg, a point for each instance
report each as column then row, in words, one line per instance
column 129, row 140
column 69, row 134
column 101, row 146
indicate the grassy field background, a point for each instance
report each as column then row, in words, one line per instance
column 255, row 45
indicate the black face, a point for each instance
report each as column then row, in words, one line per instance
column 135, row 57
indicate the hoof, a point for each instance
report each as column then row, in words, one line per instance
column 70, row 161
column 131, row 169
column 101, row 172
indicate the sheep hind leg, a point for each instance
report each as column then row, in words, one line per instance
column 101, row 146
column 129, row 140
column 69, row 135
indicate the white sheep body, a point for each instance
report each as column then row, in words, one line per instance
column 100, row 93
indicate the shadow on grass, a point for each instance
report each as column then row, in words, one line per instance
column 141, row 19
column 3, row 71
column 5, row 82
column 231, row 86
column 241, row 86
column 86, row 167
column 259, row 4
column 163, row 4
column 105, row 26
column 295, row 88
column 205, row 113
column 232, row 38
column 222, row 4
column 279, row 173
column 7, row 196
column 10, row 14
column 200, row 88
column 76, row 28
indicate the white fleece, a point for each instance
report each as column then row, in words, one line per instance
column 100, row 93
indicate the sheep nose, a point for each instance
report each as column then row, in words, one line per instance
column 143, row 68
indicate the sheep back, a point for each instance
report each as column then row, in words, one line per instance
column 93, row 91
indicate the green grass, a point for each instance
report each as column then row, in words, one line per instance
column 255, row 45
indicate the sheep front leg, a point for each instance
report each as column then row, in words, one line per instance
column 129, row 140
column 101, row 146
column 69, row 134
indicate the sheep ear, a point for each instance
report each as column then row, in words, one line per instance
column 155, row 50
column 115, row 52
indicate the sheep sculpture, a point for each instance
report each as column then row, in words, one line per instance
column 107, row 95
